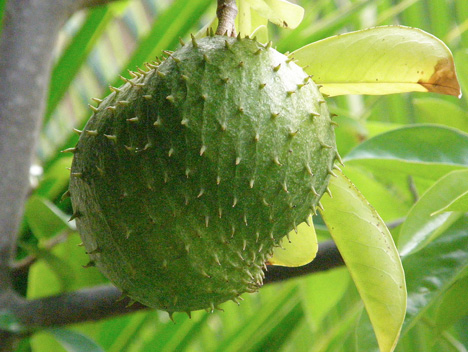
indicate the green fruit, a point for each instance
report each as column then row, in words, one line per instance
column 187, row 176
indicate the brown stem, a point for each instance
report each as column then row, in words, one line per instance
column 226, row 12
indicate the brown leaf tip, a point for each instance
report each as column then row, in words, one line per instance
column 444, row 79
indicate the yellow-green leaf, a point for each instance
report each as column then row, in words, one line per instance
column 300, row 249
column 369, row 252
column 280, row 12
column 460, row 203
column 381, row 60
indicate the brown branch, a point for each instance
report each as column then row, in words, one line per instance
column 27, row 42
column 226, row 12
column 102, row 301
column 89, row 304
column 328, row 257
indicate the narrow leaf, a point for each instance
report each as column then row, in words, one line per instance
column 381, row 60
column 74, row 55
column 297, row 250
column 73, row 341
column 369, row 253
column 427, row 151
column 422, row 225
column 257, row 328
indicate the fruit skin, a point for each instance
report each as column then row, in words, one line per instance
column 187, row 176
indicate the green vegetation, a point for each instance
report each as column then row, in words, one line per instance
column 406, row 153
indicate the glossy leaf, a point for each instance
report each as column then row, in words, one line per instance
column 453, row 306
column 297, row 250
column 426, row 151
column 73, row 341
column 433, row 270
column 433, row 110
column 460, row 203
column 370, row 255
column 422, row 224
column 381, row 60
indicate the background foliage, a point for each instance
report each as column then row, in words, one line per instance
column 399, row 150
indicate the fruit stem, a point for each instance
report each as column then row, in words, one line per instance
column 226, row 12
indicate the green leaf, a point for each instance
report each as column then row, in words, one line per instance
column 453, row 306
column 173, row 23
column 73, row 341
column 55, row 180
column 62, row 269
column 388, row 202
column 461, row 58
column 426, row 151
column 298, row 248
column 321, row 292
column 175, row 337
column 460, row 203
column 45, row 219
column 280, row 12
column 74, row 56
column 2, row 12
column 422, row 225
column 368, row 250
column 431, row 271
column 380, row 60
column 247, row 21
column 433, row 110
column 256, row 330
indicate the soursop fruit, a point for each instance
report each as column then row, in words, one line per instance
column 187, row 176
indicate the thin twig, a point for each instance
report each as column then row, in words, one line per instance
column 413, row 189
column 22, row 266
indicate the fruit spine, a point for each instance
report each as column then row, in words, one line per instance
column 187, row 176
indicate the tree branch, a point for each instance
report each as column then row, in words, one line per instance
column 27, row 42
column 102, row 301
column 328, row 257
column 90, row 304
column 226, row 12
